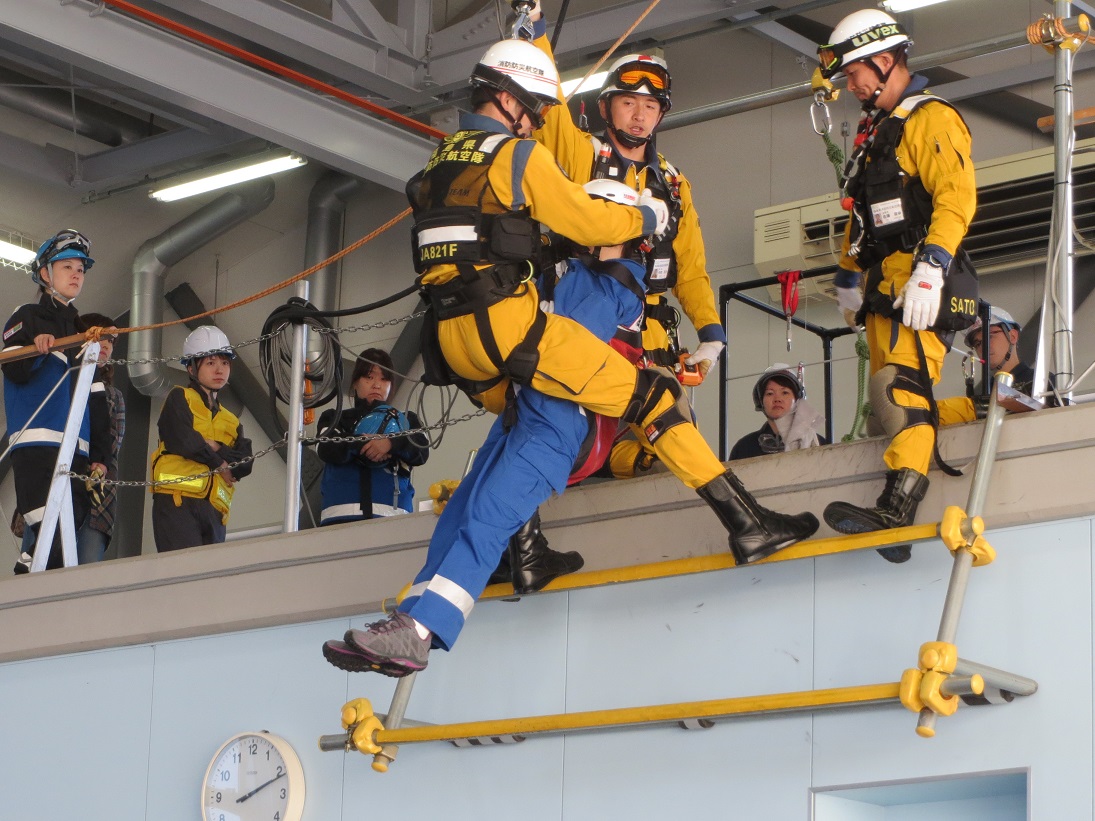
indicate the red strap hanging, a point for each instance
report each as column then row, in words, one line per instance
column 788, row 289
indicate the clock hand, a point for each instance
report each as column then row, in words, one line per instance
column 243, row 798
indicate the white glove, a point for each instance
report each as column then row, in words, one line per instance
column 706, row 356
column 660, row 209
column 849, row 299
column 921, row 295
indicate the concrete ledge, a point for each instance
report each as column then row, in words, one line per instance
column 1045, row 471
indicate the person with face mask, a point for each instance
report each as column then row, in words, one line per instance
column 791, row 423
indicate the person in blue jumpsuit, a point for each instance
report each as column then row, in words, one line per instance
column 478, row 205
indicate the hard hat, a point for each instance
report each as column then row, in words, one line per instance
column 66, row 244
column 782, row 373
column 613, row 191
column 204, row 341
column 639, row 74
column 521, row 69
column 997, row 316
column 860, row 35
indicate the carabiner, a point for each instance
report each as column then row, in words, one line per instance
column 819, row 109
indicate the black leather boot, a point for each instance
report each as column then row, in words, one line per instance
column 896, row 507
column 532, row 563
column 755, row 531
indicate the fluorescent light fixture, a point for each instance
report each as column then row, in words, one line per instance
column 592, row 84
column 210, row 179
column 23, row 256
column 898, row 6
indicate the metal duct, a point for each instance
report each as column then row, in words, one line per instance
column 157, row 255
column 326, row 209
column 87, row 118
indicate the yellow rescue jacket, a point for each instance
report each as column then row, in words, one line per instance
column 222, row 427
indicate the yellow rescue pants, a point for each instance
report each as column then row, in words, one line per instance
column 891, row 343
column 574, row 365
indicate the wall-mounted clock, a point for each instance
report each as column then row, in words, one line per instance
column 254, row 776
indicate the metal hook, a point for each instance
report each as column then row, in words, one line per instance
column 825, row 124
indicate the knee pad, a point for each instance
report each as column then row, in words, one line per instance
column 650, row 387
column 893, row 417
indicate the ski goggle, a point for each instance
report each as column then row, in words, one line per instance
column 631, row 78
column 829, row 57
column 67, row 240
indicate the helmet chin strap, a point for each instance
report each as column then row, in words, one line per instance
column 514, row 124
column 53, row 291
column 629, row 140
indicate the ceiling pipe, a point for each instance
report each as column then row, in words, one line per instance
column 87, row 118
column 803, row 90
column 153, row 261
column 323, row 238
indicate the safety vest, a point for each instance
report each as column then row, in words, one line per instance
column 891, row 210
column 458, row 218
column 222, row 427
column 663, row 180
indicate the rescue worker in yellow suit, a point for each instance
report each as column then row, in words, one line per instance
column 911, row 184
column 478, row 205
column 635, row 96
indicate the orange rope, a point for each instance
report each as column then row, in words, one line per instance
column 612, row 49
column 283, row 284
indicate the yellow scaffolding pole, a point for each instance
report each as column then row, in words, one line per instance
column 365, row 733
column 722, row 561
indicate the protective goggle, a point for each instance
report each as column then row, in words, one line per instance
column 633, row 77
column 64, row 241
column 829, row 57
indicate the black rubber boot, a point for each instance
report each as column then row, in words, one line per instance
column 532, row 563
column 755, row 531
column 896, row 507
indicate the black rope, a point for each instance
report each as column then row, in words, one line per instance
column 559, row 24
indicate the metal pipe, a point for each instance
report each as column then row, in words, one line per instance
column 294, row 448
column 156, row 256
column 763, row 99
column 1064, row 137
column 394, row 720
column 996, row 678
column 963, row 559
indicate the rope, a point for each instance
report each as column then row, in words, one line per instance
column 612, row 49
column 863, row 407
column 835, row 155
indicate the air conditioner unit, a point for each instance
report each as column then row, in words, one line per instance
column 1009, row 230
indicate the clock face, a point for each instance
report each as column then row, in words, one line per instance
column 253, row 776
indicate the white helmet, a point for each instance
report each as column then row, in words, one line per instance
column 519, row 68
column 997, row 316
column 639, row 74
column 613, row 191
column 860, row 35
column 782, row 373
column 205, row 340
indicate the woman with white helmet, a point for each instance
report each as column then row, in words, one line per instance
column 910, row 188
column 791, row 423
column 199, row 439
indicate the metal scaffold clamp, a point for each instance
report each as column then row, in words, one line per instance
column 961, row 532
column 933, row 685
